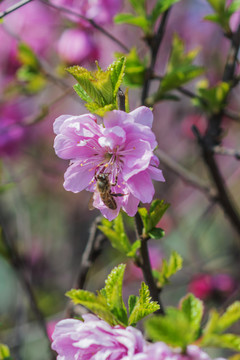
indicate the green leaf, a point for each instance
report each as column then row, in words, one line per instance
column 229, row 341
column 141, row 306
column 26, row 56
column 174, row 329
column 117, row 235
column 234, row 6
column 95, row 303
column 151, row 219
column 116, row 70
column 139, row 6
column 231, row 315
column 99, row 88
column 192, row 307
column 139, row 21
column 134, row 69
column 4, row 352
column 156, row 212
column 169, row 268
column 212, row 98
column 217, row 5
column 160, row 7
column 134, row 247
column 156, row 233
column 82, row 93
column 113, row 292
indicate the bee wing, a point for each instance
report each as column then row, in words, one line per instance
column 90, row 203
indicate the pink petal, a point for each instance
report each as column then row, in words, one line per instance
column 143, row 115
column 141, row 187
column 131, row 206
column 155, row 173
column 78, row 177
column 117, row 118
column 58, row 123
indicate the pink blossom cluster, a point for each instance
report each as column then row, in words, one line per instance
column 206, row 286
column 121, row 148
column 96, row 340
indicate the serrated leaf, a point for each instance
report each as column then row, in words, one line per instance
column 228, row 341
column 116, row 70
column 132, row 300
column 82, row 93
column 231, row 315
column 143, row 306
column 160, row 7
column 96, row 304
column 193, row 308
column 117, row 235
column 113, row 291
column 139, row 21
column 101, row 111
column 169, row 268
column 173, row 329
column 134, row 69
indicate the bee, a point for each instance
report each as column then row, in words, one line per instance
column 104, row 189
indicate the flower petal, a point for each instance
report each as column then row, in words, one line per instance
column 155, row 173
column 77, row 177
column 141, row 186
column 143, row 115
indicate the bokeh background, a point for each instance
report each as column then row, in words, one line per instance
column 49, row 226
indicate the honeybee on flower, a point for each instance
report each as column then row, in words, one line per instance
column 121, row 148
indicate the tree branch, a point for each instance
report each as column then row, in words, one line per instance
column 145, row 265
column 90, row 21
column 13, row 8
column 154, row 45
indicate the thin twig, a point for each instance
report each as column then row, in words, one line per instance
column 225, row 151
column 13, row 8
column 145, row 265
column 154, row 45
column 90, row 21
column 187, row 176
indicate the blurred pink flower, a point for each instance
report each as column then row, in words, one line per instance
column 193, row 119
column 12, row 132
column 122, row 150
column 95, row 339
column 206, row 286
column 101, row 11
column 160, row 351
column 76, row 45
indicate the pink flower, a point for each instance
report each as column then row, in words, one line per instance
column 76, row 45
column 208, row 286
column 122, row 151
column 95, row 339
column 161, row 351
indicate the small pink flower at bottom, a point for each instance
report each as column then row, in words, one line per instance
column 95, row 339
column 161, row 351
column 118, row 152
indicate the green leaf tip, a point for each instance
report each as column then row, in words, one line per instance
column 99, row 88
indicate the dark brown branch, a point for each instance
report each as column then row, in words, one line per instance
column 145, row 265
column 13, row 8
column 90, row 21
column 154, row 44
